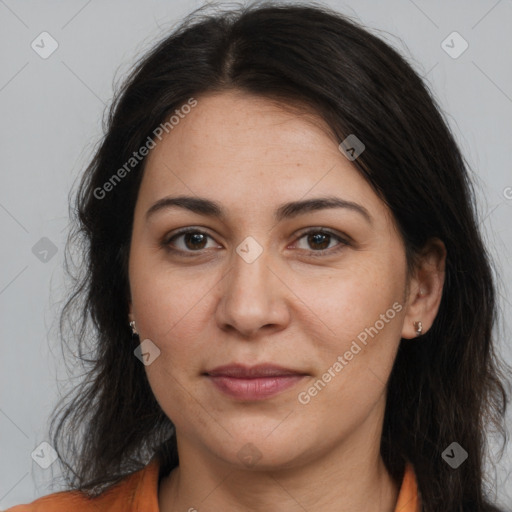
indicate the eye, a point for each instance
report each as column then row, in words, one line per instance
column 320, row 241
column 193, row 240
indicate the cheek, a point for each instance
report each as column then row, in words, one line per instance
column 353, row 370
column 170, row 311
column 168, row 303
column 362, row 316
column 367, row 297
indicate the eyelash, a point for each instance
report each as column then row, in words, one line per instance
column 320, row 253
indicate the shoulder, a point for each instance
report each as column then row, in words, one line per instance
column 408, row 497
column 121, row 497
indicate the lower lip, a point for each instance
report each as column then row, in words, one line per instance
column 255, row 388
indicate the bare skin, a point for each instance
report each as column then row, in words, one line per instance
column 203, row 305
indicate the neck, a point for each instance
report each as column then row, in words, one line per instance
column 349, row 478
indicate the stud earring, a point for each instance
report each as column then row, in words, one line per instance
column 419, row 327
column 134, row 330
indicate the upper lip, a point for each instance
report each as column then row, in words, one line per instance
column 241, row 371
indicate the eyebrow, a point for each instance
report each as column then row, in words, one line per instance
column 209, row 208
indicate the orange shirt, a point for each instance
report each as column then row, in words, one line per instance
column 139, row 493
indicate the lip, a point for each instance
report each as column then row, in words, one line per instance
column 253, row 382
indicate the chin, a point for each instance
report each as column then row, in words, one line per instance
column 264, row 445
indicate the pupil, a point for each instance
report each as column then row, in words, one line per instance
column 195, row 238
column 316, row 239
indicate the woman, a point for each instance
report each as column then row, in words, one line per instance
column 292, row 302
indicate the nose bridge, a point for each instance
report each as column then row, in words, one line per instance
column 251, row 295
column 250, row 269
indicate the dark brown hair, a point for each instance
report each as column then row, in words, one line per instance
column 448, row 387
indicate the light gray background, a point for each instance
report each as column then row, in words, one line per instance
column 51, row 111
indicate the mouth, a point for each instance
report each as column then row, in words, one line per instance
column 253, row 382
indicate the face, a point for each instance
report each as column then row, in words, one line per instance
column 318, row 292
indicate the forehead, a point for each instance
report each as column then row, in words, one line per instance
column 235, row 126
column 248, row 150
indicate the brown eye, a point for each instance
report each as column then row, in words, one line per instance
column 321, row 241
column 189, row 240
column 194, row 240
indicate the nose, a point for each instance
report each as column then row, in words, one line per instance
column 253, row 298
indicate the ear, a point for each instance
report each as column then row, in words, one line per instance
column 425, row 288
